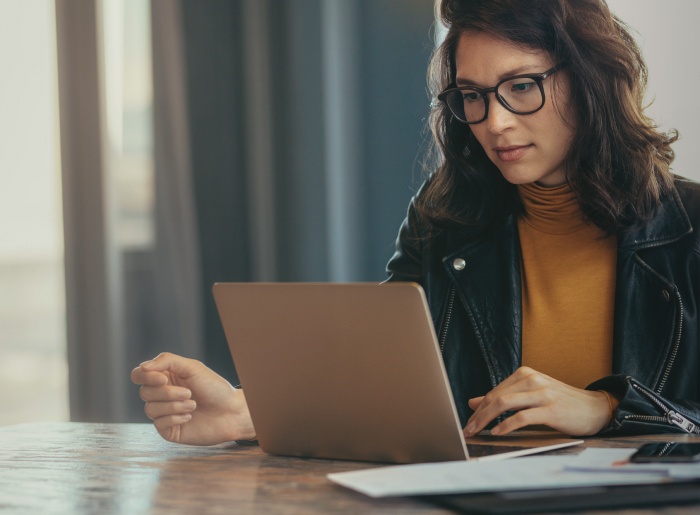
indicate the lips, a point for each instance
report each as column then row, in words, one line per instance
column 512, row 152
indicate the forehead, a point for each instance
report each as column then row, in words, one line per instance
column 483, row 60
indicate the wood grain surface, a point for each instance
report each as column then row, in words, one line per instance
column 81, row 468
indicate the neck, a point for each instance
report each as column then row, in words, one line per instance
column 552, row 180
column 553, row 209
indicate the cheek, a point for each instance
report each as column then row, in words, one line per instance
column 561, row 122
column 560, row 139
column 553, row 133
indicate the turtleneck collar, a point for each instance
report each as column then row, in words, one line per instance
column 551, row 210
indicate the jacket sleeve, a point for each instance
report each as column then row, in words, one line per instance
column 642, row 411
column 407, row 262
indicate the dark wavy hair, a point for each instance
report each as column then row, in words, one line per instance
column 618, row 164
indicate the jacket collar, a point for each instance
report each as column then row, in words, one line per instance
column 669, row 224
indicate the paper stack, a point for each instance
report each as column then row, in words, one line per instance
column 592, row 467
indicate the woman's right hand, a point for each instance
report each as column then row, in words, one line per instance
column 190, row 403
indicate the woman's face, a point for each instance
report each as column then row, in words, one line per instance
column 525, row 148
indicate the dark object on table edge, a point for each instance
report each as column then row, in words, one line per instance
column 667, row 452
column 247, row 442
column 564, row 499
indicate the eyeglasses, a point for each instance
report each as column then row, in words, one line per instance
column 522, row 94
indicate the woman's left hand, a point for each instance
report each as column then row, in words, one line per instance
column 539, row 399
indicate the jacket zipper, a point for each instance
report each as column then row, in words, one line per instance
column 676, row 344
column 443, row 337
column 443, row 334
column 673, row 418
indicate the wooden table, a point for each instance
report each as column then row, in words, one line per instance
column 127, row 468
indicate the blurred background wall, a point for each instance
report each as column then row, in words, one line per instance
column 33, row 367
column 668, row 35
column 214, row 140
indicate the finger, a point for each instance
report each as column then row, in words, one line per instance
column 141, row 376
column 539, row 415
column 524, row 380
column 475, row 402
column 166, row 425
column 156, row 410
column 164, row 393
column 505, row 402
column 167, row 362
column 516, row 377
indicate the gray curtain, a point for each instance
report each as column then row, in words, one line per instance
column 94, row 325
column 288, row 138
column 307, row 126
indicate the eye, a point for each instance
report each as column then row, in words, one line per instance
column 522, row 87
column 471, row 96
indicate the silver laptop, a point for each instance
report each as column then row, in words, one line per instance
column 343, row 371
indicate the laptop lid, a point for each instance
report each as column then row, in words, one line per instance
column 343, row 371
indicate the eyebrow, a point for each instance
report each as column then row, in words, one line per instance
column 461, row 81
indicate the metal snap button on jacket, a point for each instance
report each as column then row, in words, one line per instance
column 459, row 264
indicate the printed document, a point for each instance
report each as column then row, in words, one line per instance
column 491, row 476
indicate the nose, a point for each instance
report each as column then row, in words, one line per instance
column 499, row 118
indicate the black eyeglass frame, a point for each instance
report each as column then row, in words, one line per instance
column 537, row 77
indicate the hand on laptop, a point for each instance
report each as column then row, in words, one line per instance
column 190, row 403
column 539, row 400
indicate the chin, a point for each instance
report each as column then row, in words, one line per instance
column 518, row 173
column 515, row 176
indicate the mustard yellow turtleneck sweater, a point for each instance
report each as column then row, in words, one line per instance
column 568, row 288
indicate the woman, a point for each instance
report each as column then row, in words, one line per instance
column 556, row 249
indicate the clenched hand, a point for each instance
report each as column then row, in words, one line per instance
column 190, row 403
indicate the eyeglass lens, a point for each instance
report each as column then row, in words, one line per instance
column 522, row 95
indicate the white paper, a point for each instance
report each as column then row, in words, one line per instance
column 485, row 476
column 616, row 461
column 527, row 451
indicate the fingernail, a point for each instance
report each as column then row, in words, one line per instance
column 147, row 364
column 186, row 417
column 471, row 427
column 496, row 430
column 189, row 405
column 185, row 394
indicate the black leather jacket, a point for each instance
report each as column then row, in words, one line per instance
column 476, row 309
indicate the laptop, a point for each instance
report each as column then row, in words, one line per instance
column 343, row 371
